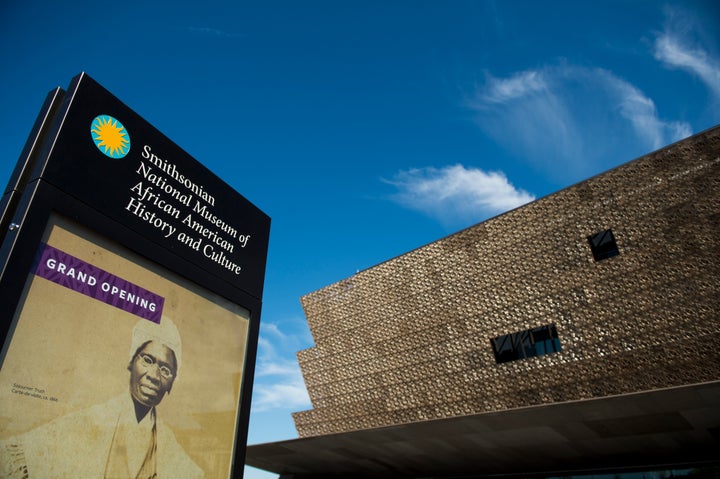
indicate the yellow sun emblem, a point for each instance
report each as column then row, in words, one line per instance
column 110, row 136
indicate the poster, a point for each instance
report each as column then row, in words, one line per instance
column 71, row 358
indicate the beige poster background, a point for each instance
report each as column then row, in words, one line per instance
column 72, row 351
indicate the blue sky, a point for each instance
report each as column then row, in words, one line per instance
column 365, row 129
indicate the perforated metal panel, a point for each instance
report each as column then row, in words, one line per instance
column 409, row 339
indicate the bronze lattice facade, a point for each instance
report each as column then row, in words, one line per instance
column 420, row 336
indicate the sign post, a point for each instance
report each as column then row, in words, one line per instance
column 131, row 283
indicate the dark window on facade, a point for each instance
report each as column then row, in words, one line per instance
column 526, row 344
column 603, row 245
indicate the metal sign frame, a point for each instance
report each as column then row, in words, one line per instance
column 217, row 250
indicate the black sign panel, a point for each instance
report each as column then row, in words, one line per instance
column 127, row 270
column 107, row 156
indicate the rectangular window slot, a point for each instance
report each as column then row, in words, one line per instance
column 526, row 344
column 603, row 245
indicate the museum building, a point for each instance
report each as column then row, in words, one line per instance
column 578, row 333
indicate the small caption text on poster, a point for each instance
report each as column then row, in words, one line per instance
column 31, row 391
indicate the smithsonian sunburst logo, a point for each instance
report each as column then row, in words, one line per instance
column 110, row 136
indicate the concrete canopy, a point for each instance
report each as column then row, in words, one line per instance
column 675, row 427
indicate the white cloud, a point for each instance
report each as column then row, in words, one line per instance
column 457, row 193
column 570, row 121
column 276, row 368
column 675, row 52
column 286, row 391
column 642, row 114
column 278, row 380
column 517, row 86
column 272, row 330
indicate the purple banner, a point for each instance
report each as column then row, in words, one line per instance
column 77, row 275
